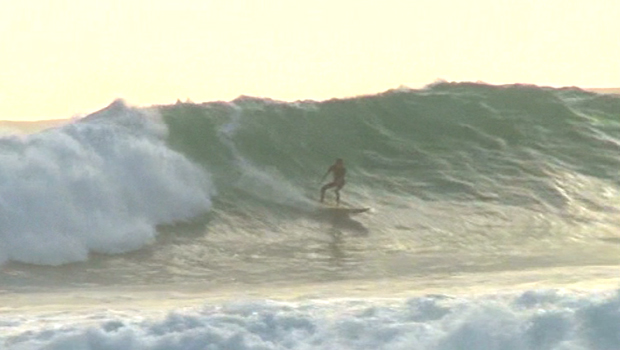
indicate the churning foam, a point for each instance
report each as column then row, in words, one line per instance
column 100, row 184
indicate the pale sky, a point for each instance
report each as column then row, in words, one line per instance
column 61, row 58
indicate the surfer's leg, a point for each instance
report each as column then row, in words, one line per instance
column 324, row 188
column 338, row 188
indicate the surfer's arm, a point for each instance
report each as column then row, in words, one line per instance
column 331, row 168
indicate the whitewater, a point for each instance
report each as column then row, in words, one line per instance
column 495, row 224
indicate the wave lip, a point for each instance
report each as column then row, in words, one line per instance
column 100, row 184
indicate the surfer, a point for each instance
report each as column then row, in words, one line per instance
column 338, row 171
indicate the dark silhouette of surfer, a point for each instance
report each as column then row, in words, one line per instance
column 338, row 170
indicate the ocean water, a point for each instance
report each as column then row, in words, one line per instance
column 495, row 224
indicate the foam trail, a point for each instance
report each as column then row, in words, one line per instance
column 101, row 184
column 263, row 183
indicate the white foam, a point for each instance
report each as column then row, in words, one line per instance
column 534, row 320
column 100, row 184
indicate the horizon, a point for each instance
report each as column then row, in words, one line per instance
column 70, row 59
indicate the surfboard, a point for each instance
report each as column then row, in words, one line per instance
column 342, row 210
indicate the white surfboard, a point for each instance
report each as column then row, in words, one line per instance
column 344, row 210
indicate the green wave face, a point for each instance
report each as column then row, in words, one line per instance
column 510, row 144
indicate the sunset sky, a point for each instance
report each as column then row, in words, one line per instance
column 63, row 58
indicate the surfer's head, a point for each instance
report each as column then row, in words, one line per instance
column 339, row 161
